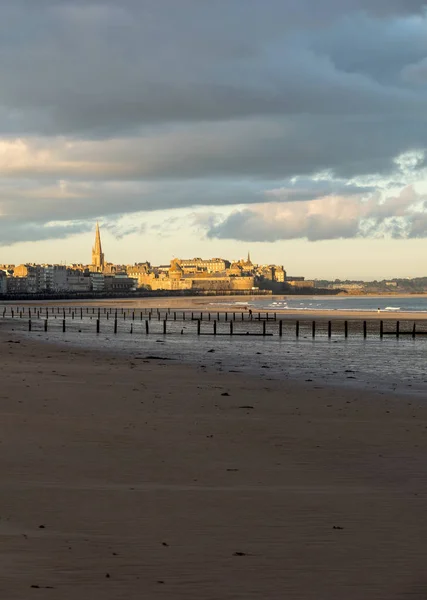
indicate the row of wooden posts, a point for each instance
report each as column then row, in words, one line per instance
column 397, row 332
column 149, row 314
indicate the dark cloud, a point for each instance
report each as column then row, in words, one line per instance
column 171, row 103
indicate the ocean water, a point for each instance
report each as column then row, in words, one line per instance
column 390, row 304
column 388, row 365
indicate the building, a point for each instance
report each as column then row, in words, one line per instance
column 53, row 278
column 98, row 262
column 3, row 283
column 212, row 265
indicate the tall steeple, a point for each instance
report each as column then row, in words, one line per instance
column 97, row 254
column 249, row 258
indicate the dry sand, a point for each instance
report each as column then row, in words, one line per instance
column 139, row 479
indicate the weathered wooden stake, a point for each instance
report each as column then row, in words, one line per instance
column 146, row 327
column 345, row 328
column 397, row 328
column 164, row 326
column 214, row 327
column 63, row 325
column 45, row 324
column 413, row 330
column 115, row 325
column 280, row 328
column 264, row 327
column 364, row 329
column 313, row 329
column 329, row 329
column 231, row 327
column 381, row 329
column 29, row 324
column 198, row 326
column 297, row 329
column 97, row 325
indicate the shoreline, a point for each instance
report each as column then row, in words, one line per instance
column 227, row 303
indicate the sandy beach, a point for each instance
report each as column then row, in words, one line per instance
column 137, row 478
column 228, row 303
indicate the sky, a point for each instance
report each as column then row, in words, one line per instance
column 293, row 130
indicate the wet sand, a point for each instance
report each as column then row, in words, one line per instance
column 138, row 478
column 223, row 303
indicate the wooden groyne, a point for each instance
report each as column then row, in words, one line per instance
column 216, row 323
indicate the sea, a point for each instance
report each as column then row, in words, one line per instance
column 392, row 365
column 391, row 304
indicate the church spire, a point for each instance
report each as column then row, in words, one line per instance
column 249, row 258
column 97, row 254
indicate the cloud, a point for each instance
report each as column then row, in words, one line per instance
column 109, row 108
column 332, row 217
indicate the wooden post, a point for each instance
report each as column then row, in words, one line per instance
column 259, row 316
column 149, row 316
column 45, row 324
column 158, row 315
column 29, row 324
column 275, row 316
column 231, row 327
column 209, row 316
column 345, row 328
column 226, row 315
column 243, row 316
column 234, row 316
column 97, row 325
column 313, row 329
column 280, row 328
column 131, row 328
column 198, row 326
column 297, row 329
column 217, row 316
column 63, row 325
column 108, row 316
column 381, row 329
column 183, row 315
column 329, row 329
column 115, row 325
column 413, row 330
column 364, row 329
column 201, row 316
column 164, row 326
column 124, row 316
column 397, row 328
column 133, row 316
column 146, row 327
column 72, row 315
column 192, row 316
column 174, row 316
column 214, row 327
column 263, row 327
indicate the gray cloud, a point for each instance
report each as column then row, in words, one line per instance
column 400, row 216
column 131, row 106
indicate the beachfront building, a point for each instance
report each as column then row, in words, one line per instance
column 3, row 282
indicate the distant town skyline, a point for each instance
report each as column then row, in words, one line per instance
column 294, row 130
